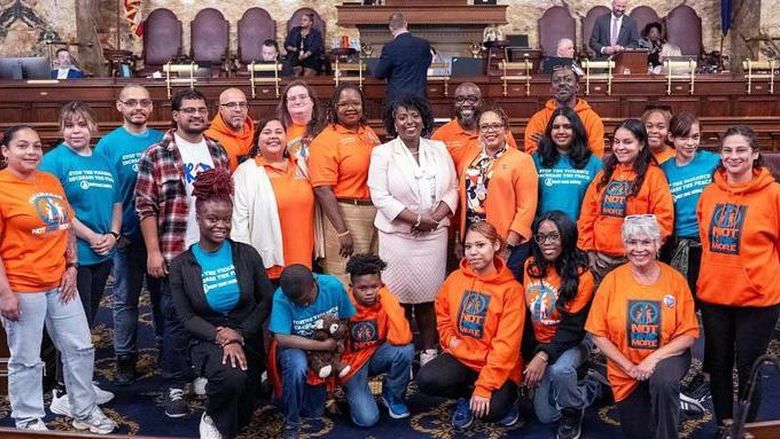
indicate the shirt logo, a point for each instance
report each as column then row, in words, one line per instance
column 644, row 324
column 541, row 298
column 51, row 211
column 613, row 202
column 472, row 314
column 726, row 228
column 364, row 334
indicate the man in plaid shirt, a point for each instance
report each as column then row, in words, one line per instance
column 165, row 206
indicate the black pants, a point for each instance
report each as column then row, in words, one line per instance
column 174, row 358
column 230, row 390
column 661, row 393
column 90, row 283
column 448, row 377
column 732, row 331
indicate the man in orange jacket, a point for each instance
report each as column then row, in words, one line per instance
column 231, row 127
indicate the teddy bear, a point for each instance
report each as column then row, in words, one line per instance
column 325, row 363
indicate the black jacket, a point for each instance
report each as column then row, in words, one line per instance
column 198, row 318
column 404, row 62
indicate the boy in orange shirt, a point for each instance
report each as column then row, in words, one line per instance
column 380, row 341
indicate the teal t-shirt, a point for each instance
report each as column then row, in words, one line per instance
column 563, row 186
column 91, row 189
column 123, row 149
column 686, row 183
column 289, row 318
column 218, row 274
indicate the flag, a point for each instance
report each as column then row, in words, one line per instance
column 725, row 16
column 133, row 16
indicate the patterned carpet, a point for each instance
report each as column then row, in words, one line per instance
column 138, row 408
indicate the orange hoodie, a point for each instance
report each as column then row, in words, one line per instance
column 512, row 192
column 594, row 127
column 739, row 226
column 236, row 145
column 603, row 210
column 372, row 326
column 487, row 315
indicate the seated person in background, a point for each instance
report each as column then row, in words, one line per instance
column 301, row 300
column 304, row 47
column 269, row 51
column 564, row 56
column 65, row 68
column 651, row 40
column 669, row 50
column 614, row 32
column 380, row 342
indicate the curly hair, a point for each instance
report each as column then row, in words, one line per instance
column 641, row 163
column 212, row 185
column 410, row 102
column 365, row 263
column 332, row 115
column 579, row 152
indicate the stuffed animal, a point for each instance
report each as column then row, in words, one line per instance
column 323, row 363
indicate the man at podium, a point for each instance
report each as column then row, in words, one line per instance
column 614, row 32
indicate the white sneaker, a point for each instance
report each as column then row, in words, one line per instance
column 102, row 396
column 427, row 355
column 36, row 425
column 60, row 405
column 199, row 386
column 207, row 428
column 97, row 423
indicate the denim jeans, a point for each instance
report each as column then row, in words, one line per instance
column 559, row 388
column 66, row 324
column 174, row 362
column 395, row 361
column 298, row 398
column 129, row 273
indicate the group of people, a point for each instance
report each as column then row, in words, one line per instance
column 514, row 264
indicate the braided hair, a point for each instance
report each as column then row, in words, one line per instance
column 212, row 185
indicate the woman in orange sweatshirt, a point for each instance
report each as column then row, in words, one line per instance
column 480, row 314
column 629, row 184
column 499, row 184
column 739, row 227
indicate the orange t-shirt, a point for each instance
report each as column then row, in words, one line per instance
column 665, row 155
column 295, row 203
column 295, row 134
column 541, row 296
column 639, row 319
column 339, row 157
column 34, row 221
column 458, row 141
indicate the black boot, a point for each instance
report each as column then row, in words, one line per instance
column 125, row 370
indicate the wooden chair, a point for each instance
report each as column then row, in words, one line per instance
column 162, row 39
column 254, row 27
column 209, row 39
column 683, row 29
column 556, row 23
column 643, row 15
column 587, row 24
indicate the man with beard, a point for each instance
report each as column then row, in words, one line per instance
column 123, row 148
column 564, row 87
column 166, row 209
column 231, row 127
column 614, row 32
column 460, row 133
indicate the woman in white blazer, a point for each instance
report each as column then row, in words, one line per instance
column 414, row 187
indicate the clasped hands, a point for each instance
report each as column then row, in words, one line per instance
column 232, row 347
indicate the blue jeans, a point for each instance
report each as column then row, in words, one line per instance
column 67, row 326
column 174, row 363
column 395, row 361
column 559, row 388
column 129, row 273
column 298, row 398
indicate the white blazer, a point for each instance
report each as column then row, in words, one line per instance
column 394, row 178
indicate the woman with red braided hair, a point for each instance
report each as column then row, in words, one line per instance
column 223, row 296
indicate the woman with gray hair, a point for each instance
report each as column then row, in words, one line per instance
column 643, row 319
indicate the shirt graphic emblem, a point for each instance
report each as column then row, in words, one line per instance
column 726, row 228
column 472, row 314
column 644, row 324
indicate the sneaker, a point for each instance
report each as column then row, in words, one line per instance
column 125, row 371
column 462, row 417
column 511, row 417
column 571, row 423
column 102, row 396
column 199, row 386
column 60, row 404
column 175, row 405
column 396, row 409
column 291, row 432
column 207, row 428
column 34, row 425
column 698, row 388
column 690, row 405
column 427, row 355
column 97, row 423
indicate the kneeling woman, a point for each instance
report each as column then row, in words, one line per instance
column 558, row 291
column 643, row 319
column 223, row 296
column 479, row 314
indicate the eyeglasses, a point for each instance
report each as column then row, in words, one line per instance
column 541, row 238
column 470, row 99
column 491, row 127
column 134, row 102
column 192, row 110
column 235, row 105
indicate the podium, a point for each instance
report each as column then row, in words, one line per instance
column 631, row 62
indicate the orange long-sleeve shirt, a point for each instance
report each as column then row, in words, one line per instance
column 594, row 127
column 487, row 315
column 372, row 326
column 512, row 192
column 603, row 209
column 739, row 227
column 459, row 141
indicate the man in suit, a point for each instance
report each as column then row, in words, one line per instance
column 404, row 61
column 66, row 69
column 614, row 32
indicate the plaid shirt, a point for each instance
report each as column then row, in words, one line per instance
column 160, row 191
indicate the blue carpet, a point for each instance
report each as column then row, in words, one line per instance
column 138, row 408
